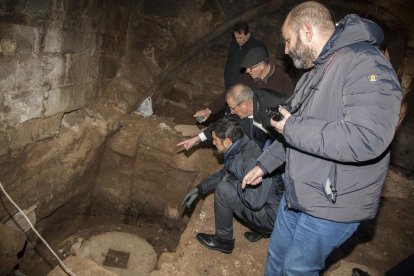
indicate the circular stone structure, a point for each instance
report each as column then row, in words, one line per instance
column 120, row 252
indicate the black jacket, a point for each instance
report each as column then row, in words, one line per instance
column 238, row 161
column 262, row 99
column 236, row 53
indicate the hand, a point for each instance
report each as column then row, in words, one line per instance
column 205, row 113
column 253, row 177
column 189, row 198
column 280, row 125
column 189, row 143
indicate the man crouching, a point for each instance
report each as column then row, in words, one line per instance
column 255, row 206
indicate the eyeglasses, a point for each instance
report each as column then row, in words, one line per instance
column 234, row 107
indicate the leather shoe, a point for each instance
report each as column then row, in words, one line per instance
column 215, row 243
column 254, row 236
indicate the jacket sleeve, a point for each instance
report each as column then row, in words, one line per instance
column 207, row 133
column 210, row 183
column 253, row 197
column 218, row 104
column 273, row 157
column 370, row 114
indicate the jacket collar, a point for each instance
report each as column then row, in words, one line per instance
column 233, row 150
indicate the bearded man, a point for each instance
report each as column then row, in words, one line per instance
column 337, row 130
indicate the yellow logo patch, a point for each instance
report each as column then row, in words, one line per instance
column 373, row 78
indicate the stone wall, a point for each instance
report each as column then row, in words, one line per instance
column 69, row 71
column 54, row 57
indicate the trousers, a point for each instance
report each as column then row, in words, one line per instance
column 227, row 202
column 300, row 243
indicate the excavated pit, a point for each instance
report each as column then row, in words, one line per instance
column 137, row 190
column 85, row 169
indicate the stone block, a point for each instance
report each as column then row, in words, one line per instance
column 39, row 8
column 45, row 128
column 54, row 70
column 91, row 42
column 63, row 99
column 72, row 41
column 28, row 75
column 7, row 74
column 53, row 40
column 23, row 105
column 32, row 131
column 26, row 38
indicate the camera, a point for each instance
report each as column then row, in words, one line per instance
column 274, row 113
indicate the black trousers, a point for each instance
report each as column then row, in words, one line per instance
column 227, row 202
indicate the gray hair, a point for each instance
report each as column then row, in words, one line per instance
column 239, row 93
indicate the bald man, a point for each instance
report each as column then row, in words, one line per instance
column 348, row 105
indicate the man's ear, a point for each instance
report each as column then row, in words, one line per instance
column 227, row 142
column 306, row 32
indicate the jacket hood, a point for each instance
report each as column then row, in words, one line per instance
column 350, row 30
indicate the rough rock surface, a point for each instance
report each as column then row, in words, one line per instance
column 81, row 267
column 192, row 258
column 10, row 247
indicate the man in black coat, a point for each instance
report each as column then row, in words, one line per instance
column 256, row 207
column 248, row 108
column 261, row 74
column 241, row 44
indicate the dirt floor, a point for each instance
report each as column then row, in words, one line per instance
column 62, row 236
column 376, row 247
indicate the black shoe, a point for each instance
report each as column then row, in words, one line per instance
column 254, row 236
column 215, row 243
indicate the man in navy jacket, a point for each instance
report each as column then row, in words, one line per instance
column 255, row 206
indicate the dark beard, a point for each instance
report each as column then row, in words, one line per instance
column 302, row 55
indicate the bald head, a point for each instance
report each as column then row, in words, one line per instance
column 305, row 31
column 313, row 13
